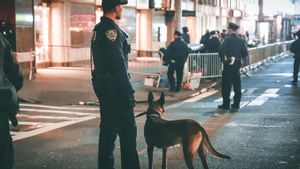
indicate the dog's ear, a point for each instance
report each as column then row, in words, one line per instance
column 161, row 100
column 150, row 97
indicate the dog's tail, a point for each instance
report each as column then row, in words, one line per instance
column 209, row 147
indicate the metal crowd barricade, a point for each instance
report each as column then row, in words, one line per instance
column 209, row 64
column 148, row 67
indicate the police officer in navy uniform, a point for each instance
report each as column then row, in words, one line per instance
column 231, row 51
column 177, row 51
column 295, row 48
column 111, row 82
column 10, row 77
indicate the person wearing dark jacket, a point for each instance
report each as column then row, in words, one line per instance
column 205, row 37
column 178, row 52
column 231, row 51
column 112, row 86
column 11, row 80
column 295, row 48
column 213, row 43
column 185, row 34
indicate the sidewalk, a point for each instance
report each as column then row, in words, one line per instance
column 69, row 86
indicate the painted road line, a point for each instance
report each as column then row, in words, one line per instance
column 59, row 107
column 232, row 124
column 264, row 97
column 45, row 117
column 249, row 91
column 54, row 111
column 23, row 135
column 191, row 100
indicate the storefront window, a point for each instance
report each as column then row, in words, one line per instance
column 82, row 18
column 24, row 25
column 159, row 28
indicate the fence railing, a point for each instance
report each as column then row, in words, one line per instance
column 209, row 64
column 204, row 65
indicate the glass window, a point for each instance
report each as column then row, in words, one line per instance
column 24, row 25
column 159, row 28
column 82, row 23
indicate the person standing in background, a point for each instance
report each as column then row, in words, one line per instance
column 185, row 35
column 295, row 48
column 178, row 52
column 231, row 51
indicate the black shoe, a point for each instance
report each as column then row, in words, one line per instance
column 293, row 82
column 177, row 89
column 223, row 107
column 234, row 106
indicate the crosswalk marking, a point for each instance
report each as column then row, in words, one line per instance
column 248, row 99
column 264, row 97
column 249, row 91
column 45, row 117
column 58, row 107
column 54, row 111
column 36, row 119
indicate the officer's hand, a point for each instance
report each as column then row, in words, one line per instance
column 14, row 120
column 132, row 100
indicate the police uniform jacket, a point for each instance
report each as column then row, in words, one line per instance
column 295, row 48
column 109, row 50
column 233, row 46
column 178, row 50
column 10, row 76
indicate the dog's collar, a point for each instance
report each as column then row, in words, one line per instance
column 153, row 113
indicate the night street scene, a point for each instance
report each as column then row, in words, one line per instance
column 149, row 84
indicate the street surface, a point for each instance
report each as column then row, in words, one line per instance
column 263, row 134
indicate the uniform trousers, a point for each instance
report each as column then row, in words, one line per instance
column 296, row 69
column 178, row 68
column 116, row 119
column 231, row 77
column 6, row 146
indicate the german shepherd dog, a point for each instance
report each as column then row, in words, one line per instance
column 163, row 134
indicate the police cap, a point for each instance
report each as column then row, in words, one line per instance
column 233, row 26
column 178, row 33
column 110, row 4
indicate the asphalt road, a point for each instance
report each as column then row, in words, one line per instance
column 263, row 134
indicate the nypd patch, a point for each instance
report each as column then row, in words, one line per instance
column 111, row 34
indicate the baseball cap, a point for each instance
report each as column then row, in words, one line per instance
column 109, row 4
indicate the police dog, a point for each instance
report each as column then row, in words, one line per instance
column 163, row 134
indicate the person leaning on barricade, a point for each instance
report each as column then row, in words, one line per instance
column 176, row 54
column 11, row 80
column 231, row 51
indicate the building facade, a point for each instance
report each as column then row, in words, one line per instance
column 59, row 31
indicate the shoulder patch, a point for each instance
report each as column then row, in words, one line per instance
column 111, row 34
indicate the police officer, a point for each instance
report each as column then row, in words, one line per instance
column 296, row 50
column 111, row 82
column 177, row 51
column 11, row 80
column 231, row 51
